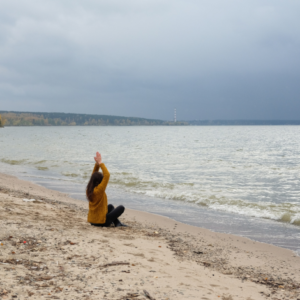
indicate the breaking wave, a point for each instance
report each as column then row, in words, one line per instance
column 286, row 212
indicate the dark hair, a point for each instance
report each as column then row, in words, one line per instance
column 95, row 180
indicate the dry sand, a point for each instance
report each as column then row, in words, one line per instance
column 49, row 251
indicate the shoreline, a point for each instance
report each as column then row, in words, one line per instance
column 198, row 260
column 147, row 217
column 275, row 233
column 171, row 216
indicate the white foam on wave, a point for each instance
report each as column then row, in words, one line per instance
column 283, row 212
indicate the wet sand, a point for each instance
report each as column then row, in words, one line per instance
column 49, row 251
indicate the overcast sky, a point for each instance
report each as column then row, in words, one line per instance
column 210, row 59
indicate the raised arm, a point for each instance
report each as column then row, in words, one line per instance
column 98, row 160
column 106, row 176
column 102, row 186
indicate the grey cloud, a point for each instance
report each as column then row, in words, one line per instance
column 211, row 59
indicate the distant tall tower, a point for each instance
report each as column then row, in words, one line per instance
column 175, row 119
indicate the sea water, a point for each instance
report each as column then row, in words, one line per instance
column 235, row 179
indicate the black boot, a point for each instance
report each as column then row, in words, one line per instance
column 119, row 224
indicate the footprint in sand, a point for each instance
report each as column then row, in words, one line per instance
column 129, row 245
column 138, row 254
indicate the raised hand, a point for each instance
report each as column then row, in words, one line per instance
column 98, row 158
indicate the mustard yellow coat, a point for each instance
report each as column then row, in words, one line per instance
column 98, row 205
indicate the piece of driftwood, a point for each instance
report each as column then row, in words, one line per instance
column 115, row 263
column 148, row 295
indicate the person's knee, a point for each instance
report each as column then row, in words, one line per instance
column 123, row 208
column 110, row 207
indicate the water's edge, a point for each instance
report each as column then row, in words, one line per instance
column 261, row 230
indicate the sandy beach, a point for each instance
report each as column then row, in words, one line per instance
column 49, row 251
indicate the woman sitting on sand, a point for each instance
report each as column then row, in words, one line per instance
column 101, row 214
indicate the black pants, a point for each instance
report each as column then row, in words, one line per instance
column 112, row 215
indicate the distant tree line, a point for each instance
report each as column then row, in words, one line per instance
column 1, row 121
column 13, row 118
column 62, row 119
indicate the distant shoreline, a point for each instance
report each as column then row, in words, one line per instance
column 244, row 122
column 15, row 118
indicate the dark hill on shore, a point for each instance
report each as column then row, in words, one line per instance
column 14, row 118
